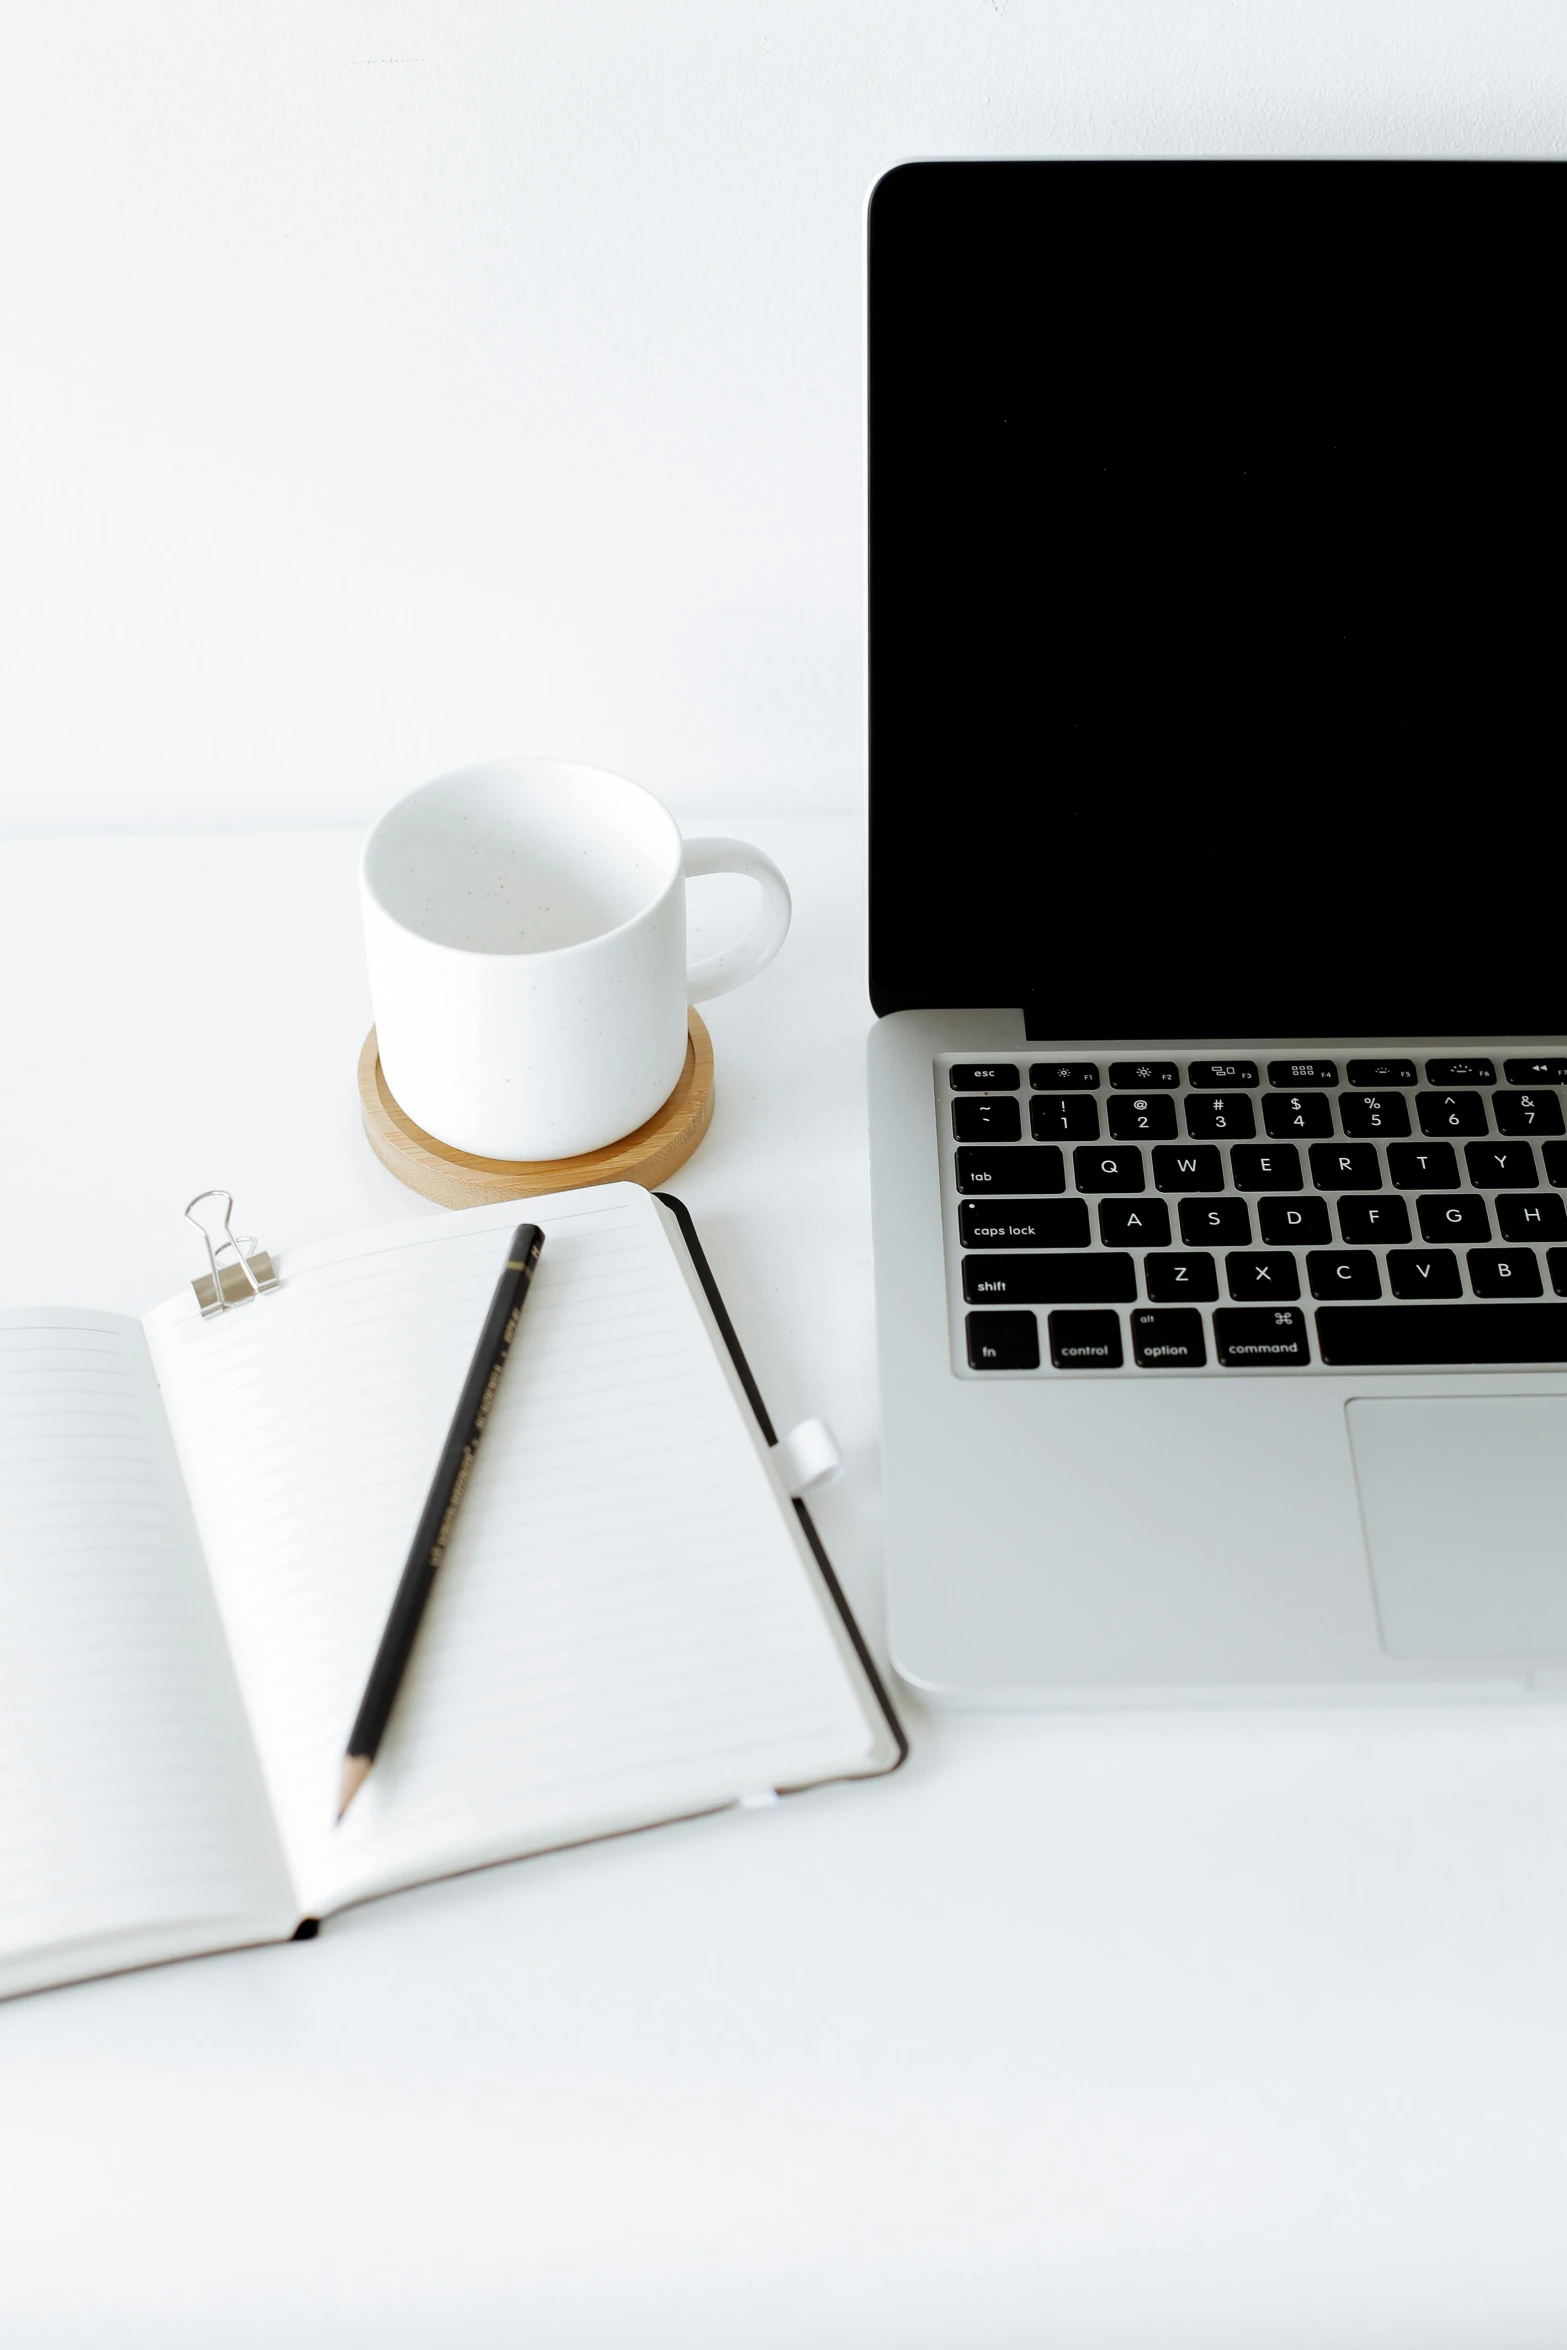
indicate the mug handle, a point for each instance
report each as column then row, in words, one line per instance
column 733, row 966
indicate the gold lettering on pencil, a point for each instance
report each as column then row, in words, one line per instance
column 438, row 1546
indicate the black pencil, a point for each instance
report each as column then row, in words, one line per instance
column 434, row 1530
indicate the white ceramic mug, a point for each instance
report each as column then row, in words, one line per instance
column 525, row 923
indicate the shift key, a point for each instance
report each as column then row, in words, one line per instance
column 1049, row 1280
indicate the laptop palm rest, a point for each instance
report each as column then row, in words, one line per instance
column 1464, row 1504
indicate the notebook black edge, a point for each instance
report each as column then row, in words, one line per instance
column 720, row 1312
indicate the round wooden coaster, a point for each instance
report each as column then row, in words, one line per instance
column 458, row 1180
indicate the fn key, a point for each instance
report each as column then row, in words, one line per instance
column 1002, row 1342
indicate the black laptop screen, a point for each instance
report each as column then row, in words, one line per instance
column 1218, row 534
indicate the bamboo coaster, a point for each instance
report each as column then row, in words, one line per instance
column 458, row 1180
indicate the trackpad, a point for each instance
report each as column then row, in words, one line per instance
column 1464, row 1502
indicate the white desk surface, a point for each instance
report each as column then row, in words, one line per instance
column 1228, row 2030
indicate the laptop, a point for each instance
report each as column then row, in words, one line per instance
column 1217, row 938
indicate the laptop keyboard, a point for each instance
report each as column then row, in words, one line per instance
column 1395, row 1210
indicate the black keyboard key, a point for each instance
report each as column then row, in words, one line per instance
column 1002, row 1342
column 1265, row 1166
column 981, row 1118
column 1040, row 1223
column 1167, row 1340
column 1253, row 1339
column 1455, row 1217
column 1108, row 1170
column 1555, row 1156
column 1085, row 1342
column 1383, row 1073
column 1302, row 1073
column 1501, row 1166
column 1215, row 1223
column 1181, row 1280
column 1363, row 1337
column 983, row 1076
column 1013, row 1171
column 1262, row 1275
column 1423, row 1272
column 1527, row 1113
column 1057, row 1076
column 1374, row 1113
column 1551, row 1070
column 1343, row 1272
column 1451, row 1113
column 1346, row 1166
column 1505, row 1272
column 1423, row 1166
column 1221, row 1074
column 1064, row 1117
column 1461, row 1071
column 1141, row 1117
column 1543, row 1216
column 1192, row 1169
column 1556, row 1258
column 1048, row 1280
column 1143, row 1076
column 1362, row 1220
column 1294, row 1223
column 1133, row 1223
column 1299, row 1114
column 1220, row 1116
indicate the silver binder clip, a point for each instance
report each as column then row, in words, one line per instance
column 247, row 1270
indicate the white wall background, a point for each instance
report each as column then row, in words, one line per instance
column 386, row 383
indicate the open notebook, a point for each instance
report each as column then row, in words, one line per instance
column 204, row 1522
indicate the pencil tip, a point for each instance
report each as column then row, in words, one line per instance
column 356, row 1769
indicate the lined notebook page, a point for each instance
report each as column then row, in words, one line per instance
column 131, row 1808
column 622, row 1629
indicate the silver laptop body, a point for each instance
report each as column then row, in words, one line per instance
column 1223, row 1338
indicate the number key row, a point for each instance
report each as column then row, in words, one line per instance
column 1230, row 1117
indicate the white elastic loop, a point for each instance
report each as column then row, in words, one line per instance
column 808, row 1456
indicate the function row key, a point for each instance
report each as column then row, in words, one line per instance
column 1444, row 1070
